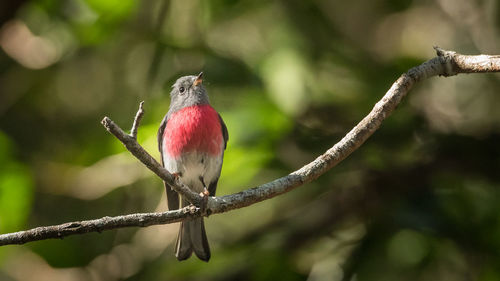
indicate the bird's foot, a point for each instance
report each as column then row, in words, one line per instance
column 205, row 192
column 177, row 177
column 204, row 202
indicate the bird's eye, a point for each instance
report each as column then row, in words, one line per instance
column 181, row 89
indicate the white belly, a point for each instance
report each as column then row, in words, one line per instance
column 191, row 166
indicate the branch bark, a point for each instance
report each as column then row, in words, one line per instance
column 137, row 120
column 130, row 142
column 98, row 225
column 447, row 63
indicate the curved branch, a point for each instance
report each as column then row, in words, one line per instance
column 447, row 63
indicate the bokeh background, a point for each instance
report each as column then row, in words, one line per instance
column 419, row 201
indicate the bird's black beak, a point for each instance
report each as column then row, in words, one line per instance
column 199, row 79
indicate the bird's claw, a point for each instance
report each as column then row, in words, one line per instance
column 177, row 177
column 205, row 193
column 204, row 202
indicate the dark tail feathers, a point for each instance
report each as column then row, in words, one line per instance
column 192, row 237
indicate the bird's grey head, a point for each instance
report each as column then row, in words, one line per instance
column 188, row 91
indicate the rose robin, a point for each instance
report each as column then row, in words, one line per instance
column 192, row 139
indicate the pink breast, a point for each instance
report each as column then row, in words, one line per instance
column 194, row 128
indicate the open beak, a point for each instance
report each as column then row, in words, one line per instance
column 199, row 79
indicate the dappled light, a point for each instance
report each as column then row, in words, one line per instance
column 419, row 200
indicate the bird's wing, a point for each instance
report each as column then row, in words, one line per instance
column 225, row 134
column 172, row 195
column 213, row 185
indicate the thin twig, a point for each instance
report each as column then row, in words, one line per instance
column 447, row 63
column 137, row 120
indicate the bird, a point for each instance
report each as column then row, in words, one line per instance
column 192, row 139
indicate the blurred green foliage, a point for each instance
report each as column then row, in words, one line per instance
column 418, row 201
column 16, row 189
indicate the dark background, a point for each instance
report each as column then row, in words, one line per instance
column 420, row 200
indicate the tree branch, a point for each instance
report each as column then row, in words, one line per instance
column 137, row 120
column 140, row 153
column 447, row 63
column 99, row 225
